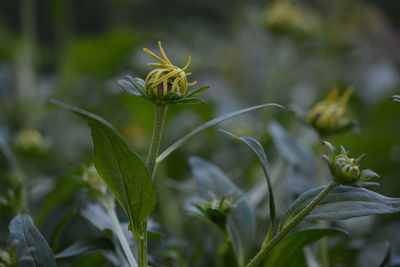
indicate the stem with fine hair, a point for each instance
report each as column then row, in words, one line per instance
column 268, row 246
column 160, row 111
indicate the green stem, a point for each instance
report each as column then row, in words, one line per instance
column 120, row 235
column 323, row 243
column 160, row 111
column 268, row 246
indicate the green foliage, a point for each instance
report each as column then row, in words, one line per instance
column 122, row 169
column 345, row 202
column 32, row 247
column 212, row 182
column 290, row 251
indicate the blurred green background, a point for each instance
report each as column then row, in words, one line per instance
column 248, row 52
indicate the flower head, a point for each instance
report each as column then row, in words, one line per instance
column 166, row 84
column 167, row 77
column 329, row 115
column 344, row 169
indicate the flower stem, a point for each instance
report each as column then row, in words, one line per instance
column 160, row 111
column 268, row 246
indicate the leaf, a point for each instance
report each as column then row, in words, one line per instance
column 31, row 247
column 212, row 182
column 289, row 251
column 344, row 202
column 191, row 100
column 132, row 86
column 258, row 150
column 83, row 247
column 197, row 91
column 182, row 141
column 121, row 169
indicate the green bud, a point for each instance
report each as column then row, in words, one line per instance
column 346, row 170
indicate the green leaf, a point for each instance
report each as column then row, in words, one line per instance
column 191, row 100
column 344, row 202
column 258, row 150
column 182, row 141
column 289, row 251
column 83, row 247
column 121, row 169
column 212, row 182
column 32, row 247
column 197, row 91
column 132, row 86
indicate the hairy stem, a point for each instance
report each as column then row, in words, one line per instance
column 160, row 112
column 268, row 246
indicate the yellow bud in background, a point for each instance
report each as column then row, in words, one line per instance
column 329, row 115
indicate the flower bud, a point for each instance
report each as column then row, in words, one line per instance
column 167, row 81
column 329, row 115
column 346, row 170
column 30, row 139
column 217, row 211
column 93, row 180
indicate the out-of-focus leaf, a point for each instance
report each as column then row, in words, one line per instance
column 289, row 251
column 32, row 248
column 388, row 256
column 96, row 214
column 182, row 141
column 95, row 259
column 62, row 194
column 302, row 163
column 212, row 182
column 258, row 150
column 57, row 233
column 344, row 202
column 83, row 247
column 122, row 169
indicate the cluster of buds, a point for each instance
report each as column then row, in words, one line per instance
column 217, row 211
column 167, row 84
column 346, row 170
column 329, row 115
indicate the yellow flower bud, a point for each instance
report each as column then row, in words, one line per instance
column 29, row 139
column 329, row 115
column 167, row 79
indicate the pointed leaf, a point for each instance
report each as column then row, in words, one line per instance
column 132, row 86
column 122, row 169
column 192, row 100
column 182, row 141
column 197, row 91
column 289, row 252
column 32, row 248
column 258, row 150
column 212, row 182
column 345, row 202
